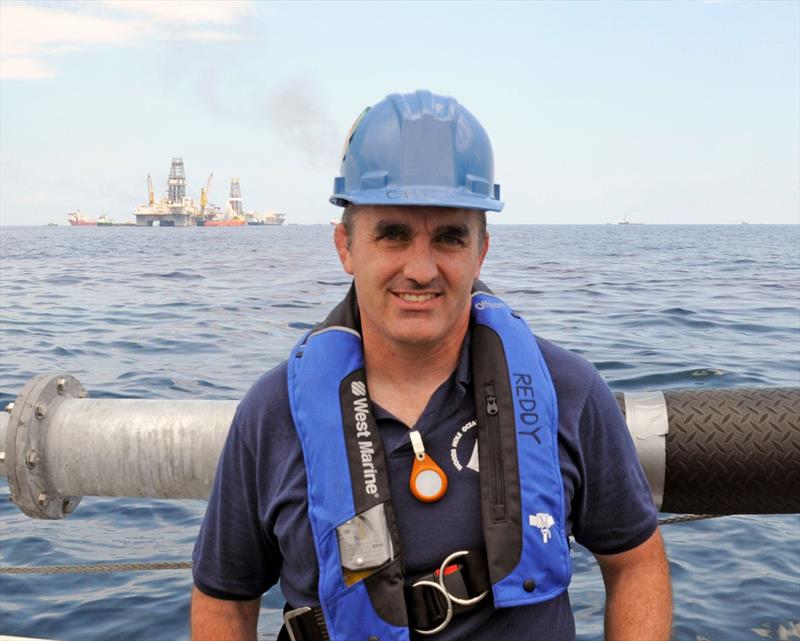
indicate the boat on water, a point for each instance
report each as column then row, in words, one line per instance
column 270, row 218
column 104, row 221
column 625, row 221
column 233, row 222
column 79, row 219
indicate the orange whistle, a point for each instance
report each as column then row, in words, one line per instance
column 428, row 482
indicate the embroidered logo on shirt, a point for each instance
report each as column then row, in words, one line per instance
column 471, row 458
column 358, row 388
column 544, row 522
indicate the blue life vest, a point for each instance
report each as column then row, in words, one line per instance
column 521, row 488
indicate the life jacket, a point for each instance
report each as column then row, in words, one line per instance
column 348, row 490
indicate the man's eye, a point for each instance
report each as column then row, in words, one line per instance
column 452, row 239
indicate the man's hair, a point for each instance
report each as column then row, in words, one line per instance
column 350, row 211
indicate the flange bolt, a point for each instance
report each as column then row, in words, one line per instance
column 67, row 506
column 41, row 410
column 42, row 500
column 10, row 407
column 61, row 385
column 31, row 458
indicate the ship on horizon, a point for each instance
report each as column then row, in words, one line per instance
column 270, row 218
column 625, row 220
column 78, row 219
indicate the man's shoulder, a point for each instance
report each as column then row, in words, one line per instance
column 271, row 387
column 264, row 409
column 571, row 372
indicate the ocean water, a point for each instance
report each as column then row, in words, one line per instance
column 200, row 313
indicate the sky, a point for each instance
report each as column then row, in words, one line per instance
column 664, row 112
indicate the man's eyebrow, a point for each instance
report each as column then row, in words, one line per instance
column 384, row 227
column 456, row 229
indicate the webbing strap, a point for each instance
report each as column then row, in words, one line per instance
column 427, row 608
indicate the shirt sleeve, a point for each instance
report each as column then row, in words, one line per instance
column 613, row 510
column 233, row 558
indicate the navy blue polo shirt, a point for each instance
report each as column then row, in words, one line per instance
column 256, row 531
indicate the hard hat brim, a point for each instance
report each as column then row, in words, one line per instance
column 418, row 197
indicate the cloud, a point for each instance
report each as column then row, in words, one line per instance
column 24, row 68
column 26, row 29
column 33, row 36
column 194, row 11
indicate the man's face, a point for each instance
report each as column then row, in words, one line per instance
column 413, row 269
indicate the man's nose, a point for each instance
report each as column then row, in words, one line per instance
column 420, row 265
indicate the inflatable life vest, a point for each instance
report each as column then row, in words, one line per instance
column 361, row 583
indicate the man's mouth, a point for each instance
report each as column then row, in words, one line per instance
column 416, row 298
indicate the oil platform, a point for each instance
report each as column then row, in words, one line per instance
column 174, row 209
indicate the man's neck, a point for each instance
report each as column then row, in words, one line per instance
column 402, row 378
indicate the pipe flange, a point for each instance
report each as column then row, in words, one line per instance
column 26, row 458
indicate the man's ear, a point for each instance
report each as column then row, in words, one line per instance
column 340, row 239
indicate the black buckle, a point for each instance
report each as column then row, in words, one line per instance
column 448, row 614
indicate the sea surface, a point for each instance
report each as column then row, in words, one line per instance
column 200, row 313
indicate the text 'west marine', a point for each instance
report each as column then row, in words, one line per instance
column 365, row 447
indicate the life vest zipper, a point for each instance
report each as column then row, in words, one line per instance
column 496, row 471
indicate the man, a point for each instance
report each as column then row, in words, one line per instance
column 416, row 466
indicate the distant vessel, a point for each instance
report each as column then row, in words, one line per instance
column 233, row 222
column 78, row 219
column 104, row 221
column 625, row 221
column 334, row 221
column 270, row 218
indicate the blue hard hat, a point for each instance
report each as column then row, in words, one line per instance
column 418, row 149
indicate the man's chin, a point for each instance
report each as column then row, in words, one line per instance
column 413, row 334
column 419, row 337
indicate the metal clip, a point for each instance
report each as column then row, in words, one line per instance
column 439, row 586
column 464, row 602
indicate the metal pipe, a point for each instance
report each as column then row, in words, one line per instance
column 61, row 446
column 144, row 448
column 704, row 451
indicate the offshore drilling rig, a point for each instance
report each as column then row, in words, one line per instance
column 172, row 210
column 175, row 209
